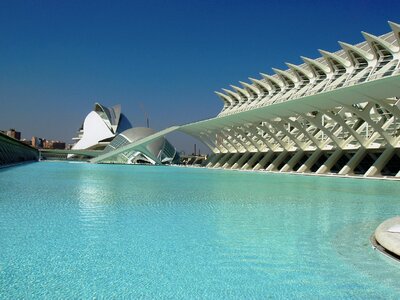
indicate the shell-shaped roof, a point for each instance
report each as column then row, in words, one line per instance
column 110, row 115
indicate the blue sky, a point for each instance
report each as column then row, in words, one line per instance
column 59, row 57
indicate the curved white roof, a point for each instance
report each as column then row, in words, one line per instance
column 100, row 124
column 353, row 64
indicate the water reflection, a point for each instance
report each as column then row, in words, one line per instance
column 154, row 232
column 94, row 202
column 278, row 225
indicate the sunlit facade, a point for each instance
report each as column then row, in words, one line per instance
column 107, row 129
column 336, row 114
column 159, row 151
column 100, row 126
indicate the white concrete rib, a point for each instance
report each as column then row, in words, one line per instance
column 338, row 113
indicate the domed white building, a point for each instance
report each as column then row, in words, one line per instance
column 160, row 151
column 107, row 129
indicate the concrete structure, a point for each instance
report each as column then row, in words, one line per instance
column 100, row 126
column 339, row 114
column 13, row 151
column 158, row 151
column 387, row 238
column 106, row 131
column 196, row 160
column 136, row 145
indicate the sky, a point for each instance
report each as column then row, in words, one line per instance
column 163, row 59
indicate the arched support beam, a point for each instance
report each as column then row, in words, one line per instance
column 304, row 131
column 277, row 84
column 265, row 87
column 253, row 130
column 234, row 96
column 352, row 52
column 299, row 144
column 287, row 78
column 364, row 115
column 354, row 134
column 317, row 122
column 301, row 72
column 283, row 144
column 228, row 138
column 251, row 89
column 236, row 133
column 372, row 40
column 242, row 92
column 396, row 30
column 225, row 99
column 333, row 59
column 248, row 136
column 204, row 138
column 239, row 145
column 316, row 66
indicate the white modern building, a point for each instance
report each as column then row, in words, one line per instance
column 107, row 129
column 100, row 126
column 159, row 151
column 335, row 114
column 338, row 114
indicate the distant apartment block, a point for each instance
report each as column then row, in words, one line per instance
column 37, row 142
column 14, row 134
column 54, row 145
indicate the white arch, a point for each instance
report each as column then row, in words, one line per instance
column 275, row 82
column 332, row 59
column 396, row 30
column 314, row 64
column 300, row 71
column 225, row 99
column 244, row 94
column 262, row 85
column 372, row 39
column 352, row 51
column 251, row 88
column 235, row 97
column 286, row 77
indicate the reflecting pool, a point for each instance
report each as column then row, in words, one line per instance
column 76, row 230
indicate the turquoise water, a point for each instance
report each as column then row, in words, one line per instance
column 114, row 231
